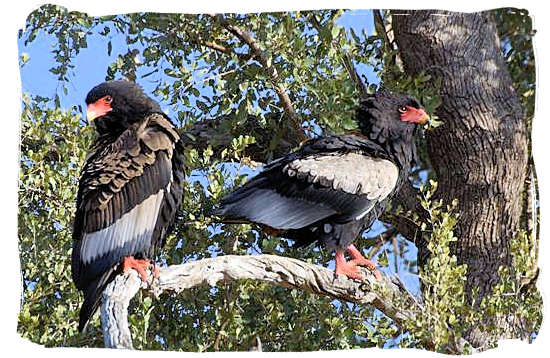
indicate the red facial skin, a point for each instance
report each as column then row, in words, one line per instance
column 413, row 115
column 99, row 108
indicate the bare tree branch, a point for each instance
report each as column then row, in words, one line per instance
column 219, row 132
column 384, row 28
column 355, row 77
column 346, row 59
column 225, row 49
column 381, row 29
column 276, row 270
column 260, row 55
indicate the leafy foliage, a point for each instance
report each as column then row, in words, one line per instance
column 199, row 70
column 444, row 304
column 53, row 148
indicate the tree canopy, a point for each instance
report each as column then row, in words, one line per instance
column 245, row 89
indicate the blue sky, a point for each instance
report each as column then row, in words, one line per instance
column 91, row 63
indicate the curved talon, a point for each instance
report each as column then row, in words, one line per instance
column 350, row 269
column 140, row 266
column 156, row 271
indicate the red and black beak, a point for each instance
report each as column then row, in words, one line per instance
column 414, row 115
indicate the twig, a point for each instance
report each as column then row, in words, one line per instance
column 260, row 55
column 397, row 280
column 352, row 72
column 382, row 239
column 258, row 346
column 381, row 28
column 225, row 49
column 346, row 60
column 395, row 253
column 219, row 335
column 383, row 31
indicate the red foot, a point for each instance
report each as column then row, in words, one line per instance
column 345, row 268
column 359, row 259
column 349, row 268
column 140, row 266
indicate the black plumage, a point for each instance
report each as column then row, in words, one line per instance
column 129, row 191
column 334, row 187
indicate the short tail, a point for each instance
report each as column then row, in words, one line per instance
column 92, row 297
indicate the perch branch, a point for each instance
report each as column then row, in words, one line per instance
column 276, row 270
column 114, row 310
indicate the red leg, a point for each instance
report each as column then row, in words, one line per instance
column 346, row 268
column 140, row 266
column 360, row 260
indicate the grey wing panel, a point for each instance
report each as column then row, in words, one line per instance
column 267, row 207
column 135, row 226
column 351, row 172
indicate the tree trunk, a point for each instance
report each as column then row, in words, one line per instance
column 479, row 155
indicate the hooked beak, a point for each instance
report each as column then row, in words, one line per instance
column 415, row 115
column 96, row 109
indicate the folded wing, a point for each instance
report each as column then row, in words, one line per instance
column 129, row 191
column 340, row 182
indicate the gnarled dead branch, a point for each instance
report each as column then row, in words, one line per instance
column 276, row 270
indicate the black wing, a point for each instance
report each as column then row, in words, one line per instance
column 128, row 194
column 338, row 177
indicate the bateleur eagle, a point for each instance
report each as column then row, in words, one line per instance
column 129, row 191
column 332, row 188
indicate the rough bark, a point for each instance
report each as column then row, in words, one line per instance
column 276, row 270
column 115, row 301
column 479, row 155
